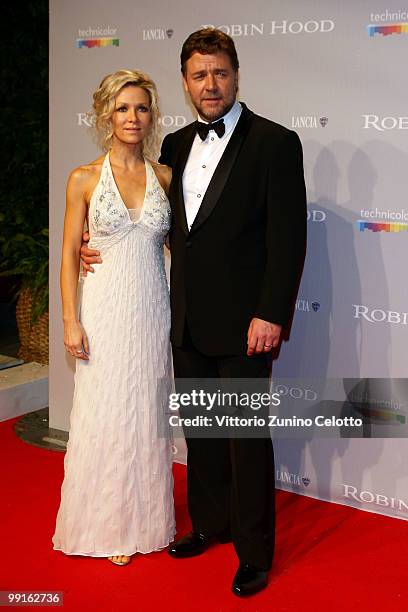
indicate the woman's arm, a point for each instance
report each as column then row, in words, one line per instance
column 75, row 339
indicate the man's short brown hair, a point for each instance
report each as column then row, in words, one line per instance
column 209, row 41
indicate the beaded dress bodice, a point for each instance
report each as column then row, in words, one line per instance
column 110, row 220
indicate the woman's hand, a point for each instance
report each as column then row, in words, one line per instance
column 75, row 340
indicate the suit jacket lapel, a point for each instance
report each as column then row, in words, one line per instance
column 223, row 170
column 178, row 195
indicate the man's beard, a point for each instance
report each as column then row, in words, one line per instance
column 216, row 114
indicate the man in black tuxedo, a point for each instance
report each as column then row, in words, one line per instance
column 237, row 249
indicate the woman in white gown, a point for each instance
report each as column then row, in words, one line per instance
column 117, row 494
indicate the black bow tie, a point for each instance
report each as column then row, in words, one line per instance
column 204, row 128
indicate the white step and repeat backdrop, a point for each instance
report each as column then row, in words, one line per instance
column 336, row 73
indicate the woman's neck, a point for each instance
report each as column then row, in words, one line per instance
column 126, row 155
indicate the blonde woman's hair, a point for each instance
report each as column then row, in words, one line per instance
column 104, row 106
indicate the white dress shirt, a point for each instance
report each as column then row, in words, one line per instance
column 203, row 159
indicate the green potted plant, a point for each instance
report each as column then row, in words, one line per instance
column 26, row 257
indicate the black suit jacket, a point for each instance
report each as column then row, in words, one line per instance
column 244, row 253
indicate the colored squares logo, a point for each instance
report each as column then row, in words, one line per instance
column 382, row 227
column 387, row 30
column 383, row 415
column 89, row 43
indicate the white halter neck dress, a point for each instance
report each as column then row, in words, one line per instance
column 117, row 494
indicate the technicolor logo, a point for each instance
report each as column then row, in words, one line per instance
column 376, row 415
column 378, row 409
column 91, row 37
column 387, row 30
column 382, row 227
column 90, row 43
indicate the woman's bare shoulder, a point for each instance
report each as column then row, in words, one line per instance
column 87, row 173
column 83, row 179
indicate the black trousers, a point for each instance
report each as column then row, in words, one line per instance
column 231, row 481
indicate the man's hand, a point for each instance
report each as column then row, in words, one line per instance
column 88, row 256
column 262, row 336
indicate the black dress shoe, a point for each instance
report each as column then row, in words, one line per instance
column 249, row 580
column 194, row 543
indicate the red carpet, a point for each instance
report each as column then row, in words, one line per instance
column 328, row 557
